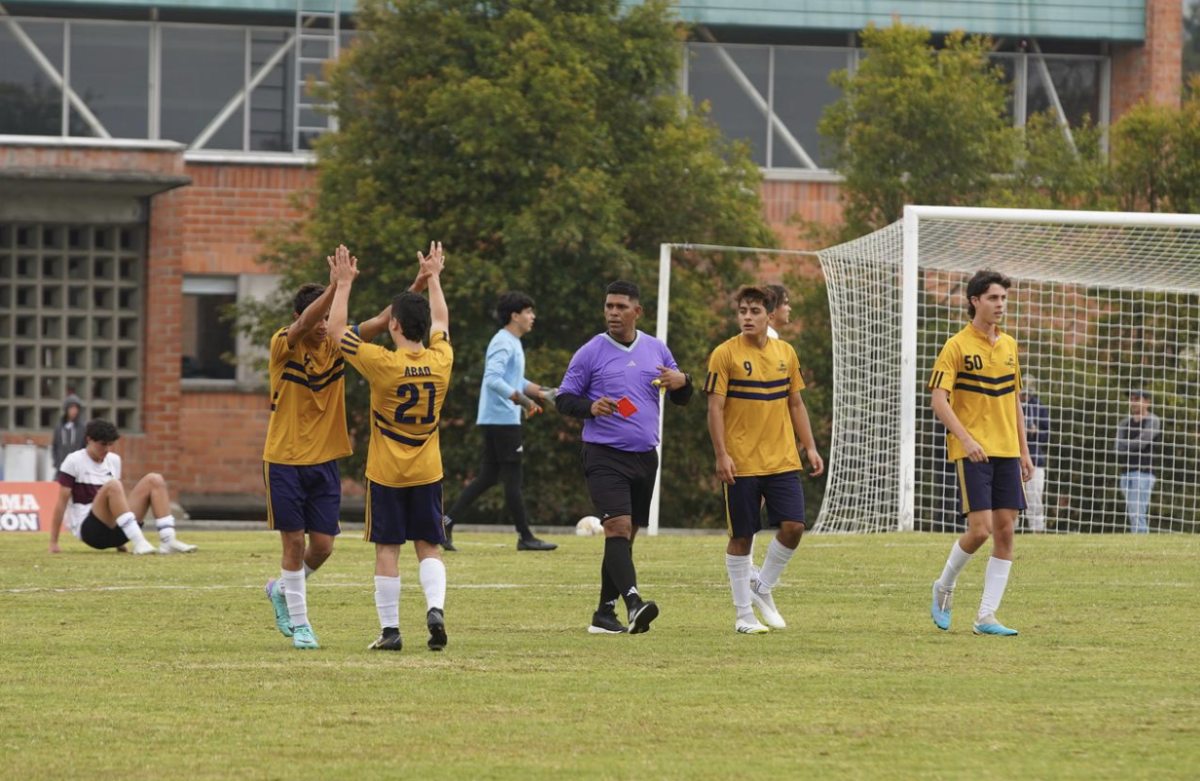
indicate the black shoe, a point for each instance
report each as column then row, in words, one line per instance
column 606, row 623
column 533, row 543
column 388, row 640
column 436, row 620
column 640, row 616
column 448, row 545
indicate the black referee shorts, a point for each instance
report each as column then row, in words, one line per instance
column 620, row 482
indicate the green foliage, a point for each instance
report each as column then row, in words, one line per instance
column 542, row 141
column 1056, row 173
column 916, row 125
column 1142, row 152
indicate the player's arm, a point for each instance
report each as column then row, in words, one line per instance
column 941, row 408
column 726, row 469
column 572, row 398
column 343, row 268
column 1026, row 459
column 432, row 265
column 314, row 313
column 372, row 327
column 803, row 428
column 56, row 520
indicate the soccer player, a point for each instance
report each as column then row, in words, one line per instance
column 404, row 460
column 781, row 313
column 975, row 385
column 96, row 508
column 613, row 384
column 755, row 417
column 305, row 437
column 505, row 395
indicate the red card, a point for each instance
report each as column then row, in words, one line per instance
column 626, row 407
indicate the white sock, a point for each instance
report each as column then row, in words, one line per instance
column 297, row 599
column 166, row 528
column 995, row 578
column 128, row 524
column 778, row 556
column 738, row 568
column 954, row 564
column 387, row 601
column 433, row 582
column 308, row 571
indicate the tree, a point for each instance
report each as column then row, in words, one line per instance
column 917, row 124
column 543, row 142
column 1143, row 147
column 1054, row 173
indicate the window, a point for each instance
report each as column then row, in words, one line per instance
column 70, row 322
column 202, row 69
column 209, row 341
column 110, row 71
column 30, row 103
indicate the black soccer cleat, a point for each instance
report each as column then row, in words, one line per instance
column 436, row 620
column 640, row 616
column 606, row 623
column 448, row 545
column 388, row 640
column 533, row 543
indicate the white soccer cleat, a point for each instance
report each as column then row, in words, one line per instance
column 766, row 606
column 175, row 546
column 745, row 627
column 143, row 547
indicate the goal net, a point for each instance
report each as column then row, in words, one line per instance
column 1105, row 308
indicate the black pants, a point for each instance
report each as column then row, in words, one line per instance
column 501, row 462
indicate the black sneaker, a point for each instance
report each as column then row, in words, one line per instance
column 436, row 620
column 388, row 640
column 640, row 616
column 606, row 623
column 533, row 543
column 448, row 545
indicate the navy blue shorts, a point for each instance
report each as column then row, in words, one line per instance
column 303, row 498
column 744, row 499
column 994, row 484
column 397, row 515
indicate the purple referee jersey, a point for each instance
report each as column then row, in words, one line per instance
column 605, row 367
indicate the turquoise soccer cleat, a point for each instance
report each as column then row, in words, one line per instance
column 990, row 626
column 939, row 609
column 303, row 637
column 279, row 602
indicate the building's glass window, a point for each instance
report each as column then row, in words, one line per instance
column 209, row 342
column 203, row 68
column 70, row 322
column 729, row 78
column 110, row 70
column 1077, row 83
column 801, row 93
column 271, row 102
column 30, row 103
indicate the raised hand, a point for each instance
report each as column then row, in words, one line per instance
column 343, row 267
column 433, row 263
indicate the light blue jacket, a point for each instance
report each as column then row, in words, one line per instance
column 503, row 373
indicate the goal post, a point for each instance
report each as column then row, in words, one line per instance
column 1103, row 305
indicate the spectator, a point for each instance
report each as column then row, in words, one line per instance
column 1037, row 434
column 1137, row 442
column 68, row 436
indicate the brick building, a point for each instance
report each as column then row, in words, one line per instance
column 144, row 144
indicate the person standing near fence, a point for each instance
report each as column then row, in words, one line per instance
column 1037, row 434
column 1137, row 442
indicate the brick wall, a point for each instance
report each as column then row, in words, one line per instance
column 1152, row 71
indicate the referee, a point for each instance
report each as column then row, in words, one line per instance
column 613, row 384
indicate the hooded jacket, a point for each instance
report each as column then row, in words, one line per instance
column 68, row 438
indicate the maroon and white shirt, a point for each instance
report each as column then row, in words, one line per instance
column 85, row 478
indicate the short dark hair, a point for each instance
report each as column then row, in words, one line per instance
column 514, row 302
column 980, row 283
column 623, row 288
column 760, row 294
column 99, row 430
column 308, row 292
column 411, row 310
column 781, row 294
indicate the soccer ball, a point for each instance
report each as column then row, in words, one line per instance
column 588, row 526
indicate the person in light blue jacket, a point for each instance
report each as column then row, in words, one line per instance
column 504, row 398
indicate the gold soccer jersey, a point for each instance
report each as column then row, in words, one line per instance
column 983, row 380
column 756, row 385
column 407, row 393
column 308, row 403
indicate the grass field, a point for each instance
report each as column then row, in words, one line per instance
column 170, row 667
